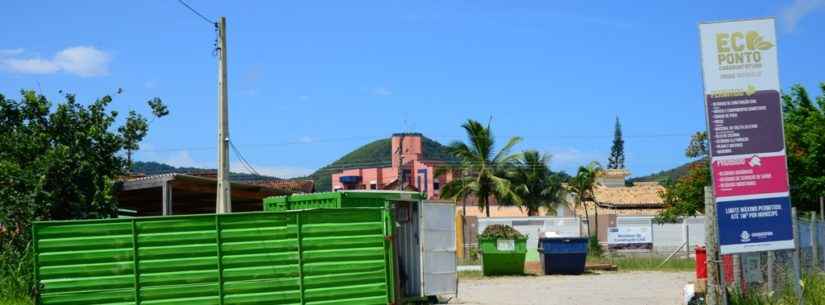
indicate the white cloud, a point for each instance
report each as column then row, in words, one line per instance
column 84, row 61
column 570, row 158
column 31, row 65
column 306, row 140
column 381, row 91
column 150, row 84
column 10, row 52
column 793, row 14
column 274, row 171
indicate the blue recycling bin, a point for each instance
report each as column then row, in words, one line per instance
column 563, row 255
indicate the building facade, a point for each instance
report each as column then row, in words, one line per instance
column 408, row 163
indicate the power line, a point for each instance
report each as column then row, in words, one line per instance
column 344, row 139
column 212, row 22
column 244, row 163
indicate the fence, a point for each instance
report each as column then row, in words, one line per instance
column 774, row 271
column 667, row 237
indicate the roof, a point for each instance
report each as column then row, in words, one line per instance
column 640, row 195
column 177, row 193
column 290, row 186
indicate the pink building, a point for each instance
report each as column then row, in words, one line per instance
column 416, row 172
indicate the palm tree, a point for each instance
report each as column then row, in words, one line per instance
column 534, row 182
column 582, row 186
column 483, row 170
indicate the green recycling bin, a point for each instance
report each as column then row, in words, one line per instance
column 500, row 256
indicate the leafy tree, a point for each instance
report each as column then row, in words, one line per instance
column 56, row 163
column 686, row 196
column 484, row 169
column 616, row 159
column 805, row 146
column 534, row 182
column 698, row 146
column 136, row 127
column 582, row 186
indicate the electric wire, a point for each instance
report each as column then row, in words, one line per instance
column 212, row 22
column 243, row 160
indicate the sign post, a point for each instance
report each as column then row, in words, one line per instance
column 745, row 128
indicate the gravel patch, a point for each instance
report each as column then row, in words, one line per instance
column 609, row 288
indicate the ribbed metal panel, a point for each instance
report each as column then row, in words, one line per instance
column 303, row 257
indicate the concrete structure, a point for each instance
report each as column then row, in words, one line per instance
column 408, row 162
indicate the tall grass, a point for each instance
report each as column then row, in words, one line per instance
column 15, row 275
column 646, row 263
column 813, row 292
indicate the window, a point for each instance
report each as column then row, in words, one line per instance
column 436, row 185
column 422, row 174
column 373, row 186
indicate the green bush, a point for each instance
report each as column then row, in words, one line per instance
column 501, row 232
column 595, row 249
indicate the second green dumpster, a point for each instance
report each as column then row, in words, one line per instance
column 503, row 250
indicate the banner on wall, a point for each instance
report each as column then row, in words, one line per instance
column 746, row 136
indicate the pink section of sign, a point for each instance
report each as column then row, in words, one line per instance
column 750, row 176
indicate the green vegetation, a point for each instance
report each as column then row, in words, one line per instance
column 616, row 159
column 483, row 170
column 375, row 154
column 156, row 168
column 56, row 163
column 813, row 293
column 16, row 301
column 664, row 176
column 645, row 263
column 582, row 186
column 537, row 186
column 500, row 232
column 463, row 275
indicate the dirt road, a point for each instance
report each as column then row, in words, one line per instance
column 610, row 288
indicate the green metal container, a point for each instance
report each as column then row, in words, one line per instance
column 423, row 236
column 324, row 256
column 361, row 199
column 502, row 256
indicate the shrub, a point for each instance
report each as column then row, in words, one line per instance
column 501, row 232
column 595, row 248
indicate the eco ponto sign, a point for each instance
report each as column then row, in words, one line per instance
column 747, row 144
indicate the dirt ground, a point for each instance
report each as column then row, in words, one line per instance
column 608, row 288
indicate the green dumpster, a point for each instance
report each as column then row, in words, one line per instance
column 503, row 256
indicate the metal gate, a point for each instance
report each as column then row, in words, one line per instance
column 438, row 260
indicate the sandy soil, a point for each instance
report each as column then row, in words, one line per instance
column 609, row 288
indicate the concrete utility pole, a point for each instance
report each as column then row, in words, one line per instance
column 224, row 200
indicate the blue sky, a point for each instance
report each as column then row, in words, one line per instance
column 312, row 80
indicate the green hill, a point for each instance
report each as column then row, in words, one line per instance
column 156, row 168
column 673, row 174
column 375, row 154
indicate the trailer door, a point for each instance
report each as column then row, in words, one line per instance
column 438, row 260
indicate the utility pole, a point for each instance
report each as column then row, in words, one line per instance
column 224, row 200
column 716, row 294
